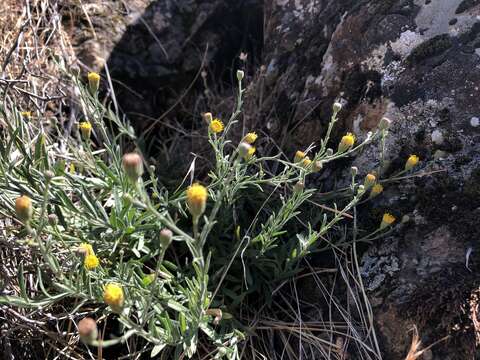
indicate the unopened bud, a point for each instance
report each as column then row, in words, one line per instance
column 317, row 166
column 93, row 82
column 244, row 149
column 370, row 180
column 384, row 124
column 354, row 170
column 337, row 106
column 208, row 117
column 133, row 166
column 52, row 219
column 216, row 313
column 49, row 175
column 165, row 237
column 329, row 152
column 23, row 208
column 240, row 75
column 361, row 189
column 87, row 329
column 299, row 187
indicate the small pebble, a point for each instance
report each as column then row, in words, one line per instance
column 437, row 137
column 474, row 121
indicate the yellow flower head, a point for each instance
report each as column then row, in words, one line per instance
column 26, row 114
column 86, row 129
column 85, row 249
column 412, row 161
column 299, row 156
column 250, row 138
column 306, row 162
column 71, row 168
column 23, row 208
column 216, row 126
column 376, row 190
column 369, row 181
column 387, row 220
column 346, row 143
column 197, row 199
column 91, row 262
column 250, row 153
column 113, row 296
column 93, row 81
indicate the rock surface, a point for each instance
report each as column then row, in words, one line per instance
column 414, row 61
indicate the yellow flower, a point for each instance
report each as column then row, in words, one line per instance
column 72, row 168
column 387, row 220
column 197, row 199
column 369, row 181
column 113, row 296
column 91, row 262
column 133, row 166
column 250, row 138
column 26, row 114
column 251, row 151
column 216, row 126
column 23, row 208
column 299, row 156
column 346, row 143
column 86, row 129
column 306, row 162
column 412, row 161
column 86, row 249
column 376, row 190
column 93, row 81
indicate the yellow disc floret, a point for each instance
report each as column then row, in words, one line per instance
column 23, row 208
column 113, row 296
column 216, row 126
column 85, row 129
column 197, row 199
column 346, row 143
column 250, row 138
column 412, row 161
column 91, row 262
column 376, row 190
column 387, row 220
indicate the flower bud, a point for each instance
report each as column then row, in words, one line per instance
column 244, row 149
column 361, row 189
column 370, row 180
column 354, row 170
column 165, row 237
column 299, row 156
column 299, row 187
column 197, row 199
column 87, row 329
column 346, row 143
column 329, row 152
column 384, row 124
column 250, row 138
column 93, row 82
column 208, row 117
column 412, row 161
column 23, row 208
column 317, row 166
column 387, row 220
column 133, row 166
column 52, row 219
column 376, row 190
column 216, row 313
column 49, row 175
column 85, row 129
column 113, row 296
column 240, row 75
column 337, row 106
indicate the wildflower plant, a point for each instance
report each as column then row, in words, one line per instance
column 176, row 268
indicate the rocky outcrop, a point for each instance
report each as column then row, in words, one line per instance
column 414, row 61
